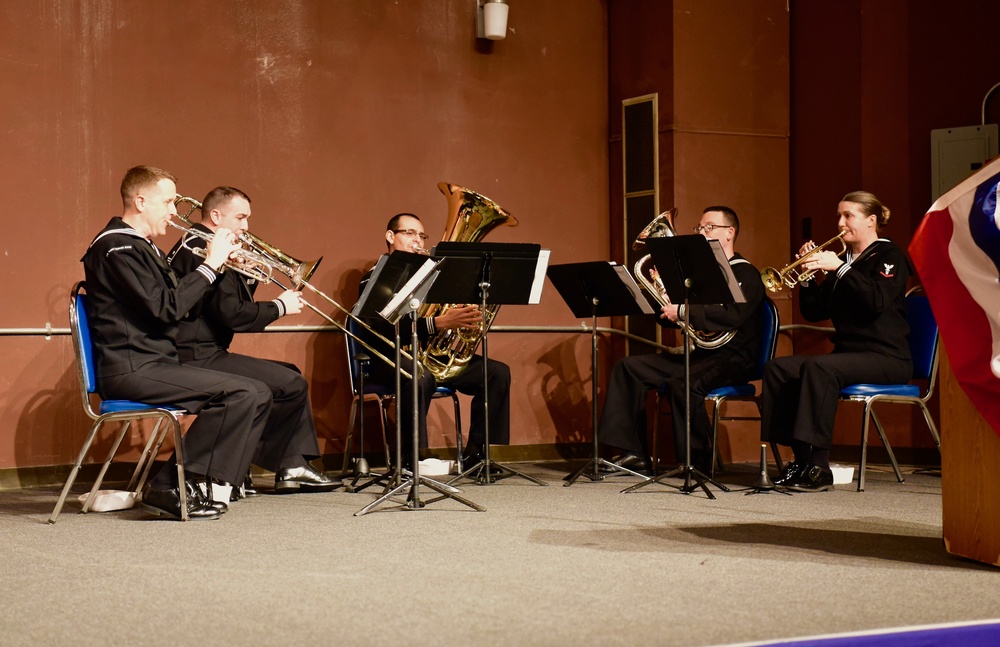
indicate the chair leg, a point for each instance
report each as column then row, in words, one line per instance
column 458, row 432
column 179, row 453
column 715, row 433
column 888, row 447
column 147, row 468
column 76, row 469
column 930, row 425
column 863, row 463
column 147, row 456
column 350, row 434
column 104, row 468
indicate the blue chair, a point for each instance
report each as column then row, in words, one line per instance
column 923, row 341
column 745, row 391
column 383, row 396
column 124, row 411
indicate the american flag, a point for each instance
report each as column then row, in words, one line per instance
column 956, row 251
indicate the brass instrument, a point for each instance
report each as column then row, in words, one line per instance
column 470, row 217
column 299, row 272
column 662, row 226
column 790, row 275
column 243, row 261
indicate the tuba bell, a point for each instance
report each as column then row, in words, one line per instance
column 470, row 217
column 649, row 278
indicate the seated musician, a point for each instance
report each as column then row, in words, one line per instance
column 623, row 420
column 289, row 441
column 863, row 296
column 134, row 302
column 405, row 232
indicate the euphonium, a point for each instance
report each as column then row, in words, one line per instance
column 662, row 226
column 790, row 275
column 470, row 217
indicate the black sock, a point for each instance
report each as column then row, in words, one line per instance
column 803, row 452
column 821, row 457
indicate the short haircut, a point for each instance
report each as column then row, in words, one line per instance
column 729, row 216
column 141, row 178
column 220, row 195
column 393, row 223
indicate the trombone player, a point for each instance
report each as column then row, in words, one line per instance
column 288, row 441
column 623, row 420
column 405, row 232
column 134, row 302
column 863, row 295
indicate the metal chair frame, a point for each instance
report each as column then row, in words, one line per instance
column 383, row 398
column 924, row 347
column 124, row 411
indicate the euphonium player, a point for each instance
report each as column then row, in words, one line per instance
column 288, row 442
column 863, row 295
column 623, row 421
column 405, row 232
column 134, row 302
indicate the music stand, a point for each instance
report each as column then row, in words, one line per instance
column 598, row 289
column 397, row 284
column 489, row 274
column 693, row 270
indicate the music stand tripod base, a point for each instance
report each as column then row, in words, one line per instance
column 596, row 475
column 689, row 474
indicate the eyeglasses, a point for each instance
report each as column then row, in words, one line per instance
column 412, row 233
column 708, row 228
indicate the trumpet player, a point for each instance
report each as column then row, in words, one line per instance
column 623, row 420
column 863, row 295
column 405, row 232
column 288, row 442
column 134, row 302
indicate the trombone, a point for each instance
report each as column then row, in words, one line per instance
column 271, row 258
column 791, row 275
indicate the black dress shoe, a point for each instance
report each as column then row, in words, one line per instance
column 789, row 474
column 303, row 479
column 196, row 494
column 634, row 462
column 812, row 478
column 248, row 490
column 168, row 503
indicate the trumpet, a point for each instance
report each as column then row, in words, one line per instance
column 271, row 259
column 791, row 274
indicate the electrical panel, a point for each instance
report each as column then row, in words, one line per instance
column 956, row 153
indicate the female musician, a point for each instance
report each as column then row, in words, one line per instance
column 863, row 295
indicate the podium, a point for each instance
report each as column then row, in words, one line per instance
column 694, row 270
column 490, row 274
column 597, row 289
column 398, row 283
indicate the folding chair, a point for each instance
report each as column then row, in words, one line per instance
column 743, row 392
column 923, row 340
column 124, row 411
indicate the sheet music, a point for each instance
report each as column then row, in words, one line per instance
column 633, row 287
column 539, row 281
column 415, row 287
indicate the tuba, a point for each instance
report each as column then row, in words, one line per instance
column 470, row 217
column 647, row 276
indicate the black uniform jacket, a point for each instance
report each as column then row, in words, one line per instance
column 229, row 307
column 865, row 301
column 744, row 318
column 134, row 299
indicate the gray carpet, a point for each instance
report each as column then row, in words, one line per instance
column 541, row 566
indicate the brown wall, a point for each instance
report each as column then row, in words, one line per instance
column 333, row 116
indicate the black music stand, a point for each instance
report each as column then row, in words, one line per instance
column 398, row 283
column 489, row 274
column 693, row 270
column 598, row 289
